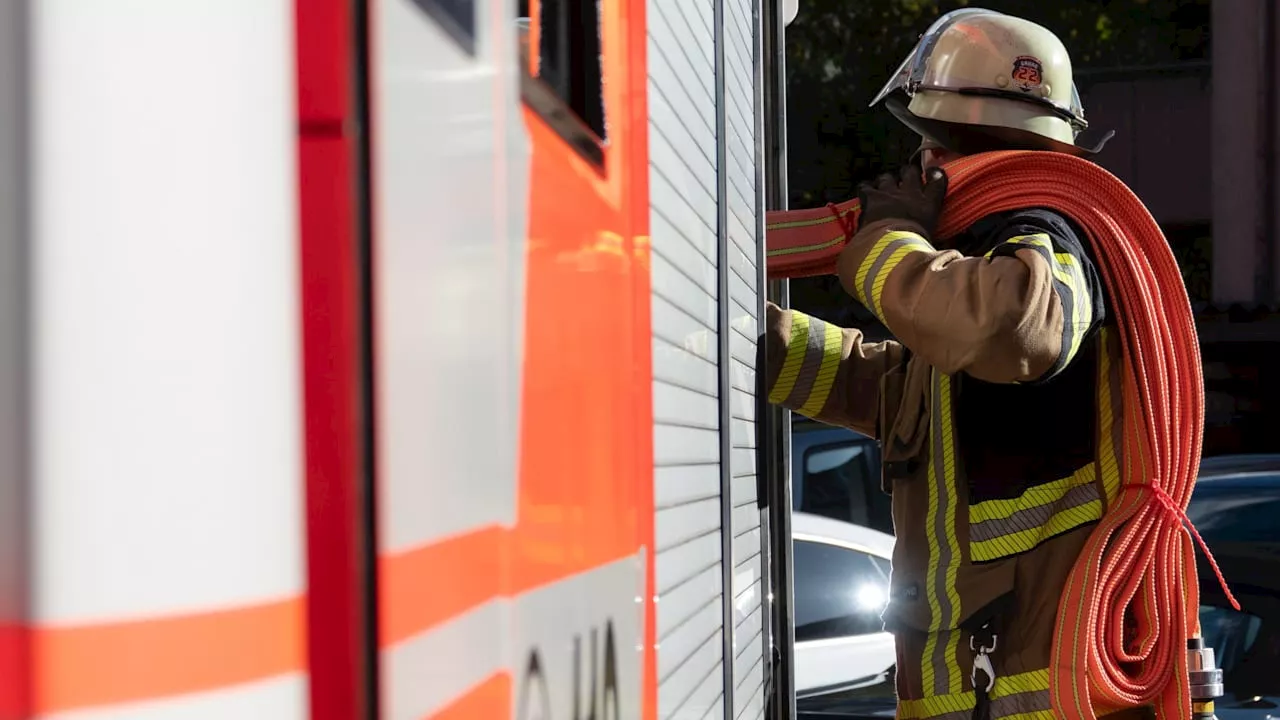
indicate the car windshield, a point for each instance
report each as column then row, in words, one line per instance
column 1231, row 634
column 836, row 474
column 1248, row 650
column 1235, row 508
column 1239, row 463
column 1236, row 518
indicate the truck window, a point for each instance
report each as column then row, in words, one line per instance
column 563, row 78
column 839, row 592
column 457, row 17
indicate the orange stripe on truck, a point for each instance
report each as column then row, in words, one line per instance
column 93, row 665
column 110, row 663
column 489, row 699
column 425, row 586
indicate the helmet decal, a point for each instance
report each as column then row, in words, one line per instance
column 1028, row 73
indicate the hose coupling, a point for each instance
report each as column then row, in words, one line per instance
column 1206, row 679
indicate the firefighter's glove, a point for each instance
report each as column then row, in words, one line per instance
column 905, row 197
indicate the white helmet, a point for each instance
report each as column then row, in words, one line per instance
column 979, row 80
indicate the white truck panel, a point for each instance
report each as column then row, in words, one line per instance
column 741, row 91
column 150, row 362
column 684, row 280
column 450, row 165
column 686, row 186
column 165, row 308
column 162, row 311
column 448, row 146
column 280, row 697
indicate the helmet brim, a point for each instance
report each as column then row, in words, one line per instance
column 968, row 139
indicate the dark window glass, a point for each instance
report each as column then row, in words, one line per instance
column 457, row 17
column 1235, row 517
column 563, row 84
column 1246, row 648
column 838, row 592
column 842, row 482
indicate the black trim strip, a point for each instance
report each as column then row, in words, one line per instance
column 776, row 421
column 759, row 26
column 361, row 78
column 543, row 100
column 723, row 331
column 1269, row 262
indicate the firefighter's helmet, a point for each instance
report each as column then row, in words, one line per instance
column 980, row 80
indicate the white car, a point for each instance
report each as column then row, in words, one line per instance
column 844, row 660
column 841, row 586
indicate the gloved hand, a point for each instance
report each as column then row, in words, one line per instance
column 905, row 197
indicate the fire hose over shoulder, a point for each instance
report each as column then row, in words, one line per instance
column 1139, row 561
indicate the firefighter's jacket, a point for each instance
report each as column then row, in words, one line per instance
column 997, row 410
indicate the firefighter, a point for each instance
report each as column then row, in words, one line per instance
column 998, row 404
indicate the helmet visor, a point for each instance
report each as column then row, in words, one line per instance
column 911, row 72
column 909, row 77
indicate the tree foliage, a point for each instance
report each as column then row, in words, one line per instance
column 841, row 52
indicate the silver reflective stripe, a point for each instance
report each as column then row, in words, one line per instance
column 944, row 479
column 954, row 715
column 877, row 265
column 1024, row 702
column 813, row 352
column 1033, row 517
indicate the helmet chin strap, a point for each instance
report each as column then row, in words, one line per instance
column 917, row 157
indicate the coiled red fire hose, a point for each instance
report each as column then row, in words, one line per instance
column 1139, row 561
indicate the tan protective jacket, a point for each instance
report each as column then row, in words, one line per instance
column 995, row 409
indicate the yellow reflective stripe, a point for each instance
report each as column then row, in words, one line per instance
column 1109, row 409
column 1024, row 696
column 1066, row 269
column 779, row 252
column 949, row 520
column 865, row 268
column 1020, row 542
column 936, row 706
column 930, row 672
column 786, row 379
column 895, row 257
column 1004, row 527
column 1082, row 302
column 930, row 668
column 832, row 351
column 1045, row 494
column 884, row 256
column 823, row 220
column 1021, row 683
column 949, row 477
column 940, row 668
column 809, row 369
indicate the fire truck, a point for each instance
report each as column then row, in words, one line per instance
column 390, row 359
